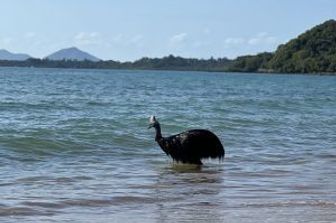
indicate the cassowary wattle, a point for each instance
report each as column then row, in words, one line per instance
column 190, row 146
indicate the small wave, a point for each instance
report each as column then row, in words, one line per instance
column 98, row 103
column 24, row 211
column 44, row 105
column 41, row 145
column 294, row 203
column 119, row 200
column 43, row 208
column 43, row 204
column 33, row 180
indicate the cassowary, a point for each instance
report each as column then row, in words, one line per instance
column 190, row 146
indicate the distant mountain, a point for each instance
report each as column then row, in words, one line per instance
column 6, row 55
column 72, row 53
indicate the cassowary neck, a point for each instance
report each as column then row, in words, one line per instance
column 158, row 135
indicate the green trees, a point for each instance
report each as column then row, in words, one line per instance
column 312, row 52
column 255, row 63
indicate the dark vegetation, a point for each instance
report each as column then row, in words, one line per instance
column 166, row 63
column 311, row 52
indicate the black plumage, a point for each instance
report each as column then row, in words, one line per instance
column 190, row 146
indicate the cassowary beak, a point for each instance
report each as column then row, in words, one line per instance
column 151, row 125
column 152, row 121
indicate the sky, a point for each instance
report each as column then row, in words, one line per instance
column 127, row 30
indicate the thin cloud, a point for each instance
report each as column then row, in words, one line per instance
column 262, row 38
column 206, row 31
column 6, row 40
column 122, row 39
column 87, row 38
column 30, row 35
column 118, row 38
column 234, row 41
column 178, row 38
column 200, row 44
column 137, row 40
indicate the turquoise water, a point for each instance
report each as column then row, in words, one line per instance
column 74, row 146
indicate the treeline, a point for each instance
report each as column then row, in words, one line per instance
column 166, row 63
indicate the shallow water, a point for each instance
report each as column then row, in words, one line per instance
column 74, row 146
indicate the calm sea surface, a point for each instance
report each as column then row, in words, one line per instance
column 74, row 147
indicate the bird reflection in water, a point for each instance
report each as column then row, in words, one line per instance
column 189, row 193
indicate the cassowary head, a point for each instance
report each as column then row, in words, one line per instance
column 153, row 122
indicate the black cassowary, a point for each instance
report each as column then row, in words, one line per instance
column 190, row 146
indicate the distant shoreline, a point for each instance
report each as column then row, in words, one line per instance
column 206, row 71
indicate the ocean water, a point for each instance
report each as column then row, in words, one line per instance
column 74, row 146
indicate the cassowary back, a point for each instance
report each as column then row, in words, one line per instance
column 193, row 145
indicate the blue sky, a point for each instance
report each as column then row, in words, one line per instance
column 130, row 29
